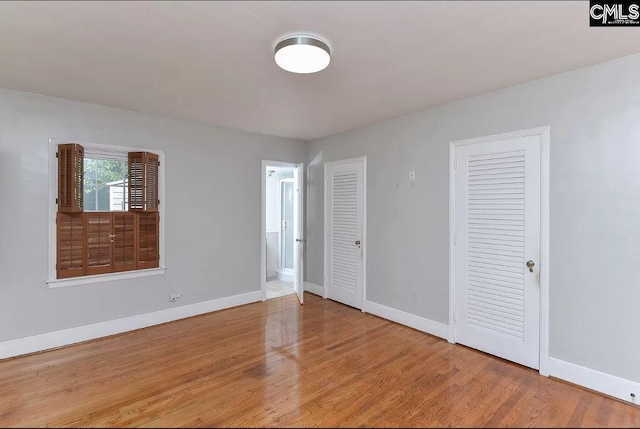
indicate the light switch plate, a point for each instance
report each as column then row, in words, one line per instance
column 412, row 175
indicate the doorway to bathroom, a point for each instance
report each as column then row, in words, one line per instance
column 282, row 238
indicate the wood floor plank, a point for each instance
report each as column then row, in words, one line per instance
column 277, row 363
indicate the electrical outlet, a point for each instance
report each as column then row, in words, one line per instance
column 414, row 296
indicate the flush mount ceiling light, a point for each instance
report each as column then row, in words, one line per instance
column 302, row 54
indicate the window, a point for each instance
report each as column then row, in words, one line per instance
column 105, row 184
column 107, row 218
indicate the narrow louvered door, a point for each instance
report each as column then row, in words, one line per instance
column 344, row 229
column 497, row 189
column 99, row 239
column 124, row 241
column 148, row 239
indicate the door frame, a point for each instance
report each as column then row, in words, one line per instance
column 263, row 220
column 544, row 133
column 362, row 159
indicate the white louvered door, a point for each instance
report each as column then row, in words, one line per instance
column 497, row 215
column 344, row 201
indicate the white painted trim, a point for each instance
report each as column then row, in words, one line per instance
column 591, row 379
column 545, row 175
column 411, row 320
column 100, row 278
column 315, row 289
column 545, row 157
column 66, row 337
column 263, row 219
column 53, row 194
column 365, row 243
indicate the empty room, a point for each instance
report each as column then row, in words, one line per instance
column 319, row 213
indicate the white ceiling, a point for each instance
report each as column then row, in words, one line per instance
column 213, row 61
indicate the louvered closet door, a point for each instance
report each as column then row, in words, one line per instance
column 344, row 229
column 497, row 213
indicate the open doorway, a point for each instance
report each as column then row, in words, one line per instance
column 282, row 238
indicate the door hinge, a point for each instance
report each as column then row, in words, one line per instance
column 56, row 201
column 455, row 238
column 56, row 154
column 455, row 163
column 158, row 202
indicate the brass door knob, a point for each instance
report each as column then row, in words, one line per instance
column 531, row 264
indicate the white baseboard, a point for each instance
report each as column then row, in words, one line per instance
column 416, row 322
column 65, row 337
column 544, row 365
column 314, row 288
column 595, row 380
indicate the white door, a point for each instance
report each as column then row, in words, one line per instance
column 497, row 248
column 298, row 228
column 344, row 225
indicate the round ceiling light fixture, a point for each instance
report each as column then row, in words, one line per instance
column 302, row 54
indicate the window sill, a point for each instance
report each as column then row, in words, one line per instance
column 100, row 278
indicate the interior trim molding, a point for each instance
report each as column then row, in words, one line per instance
column 602, row 382
column 411, row 320
column 52, row 340
column 314, row 289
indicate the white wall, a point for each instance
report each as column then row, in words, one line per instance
column 212, row 221
column 594, row 114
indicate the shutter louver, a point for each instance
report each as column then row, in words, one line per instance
column 70, row 249
column 98, row 227
column 496, row 236
column 136, row 181
column 148, row 239
column 143, row 182
column 124, row 241
column 70, row 178
column 344, row 268
column 151, row 190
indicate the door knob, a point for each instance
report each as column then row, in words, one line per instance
column 531, row 264
column 300, row 240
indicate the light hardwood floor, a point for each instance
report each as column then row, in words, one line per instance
column 277, row 363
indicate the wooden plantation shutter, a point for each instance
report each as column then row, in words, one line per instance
column 70, row 237
column 151, row 190
column 143, row 182
column 148, row 239
column 136, row 181
column 70, row 178
column 124, row 241
column 143, row 199
column 99, row 239
column 70, row 246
